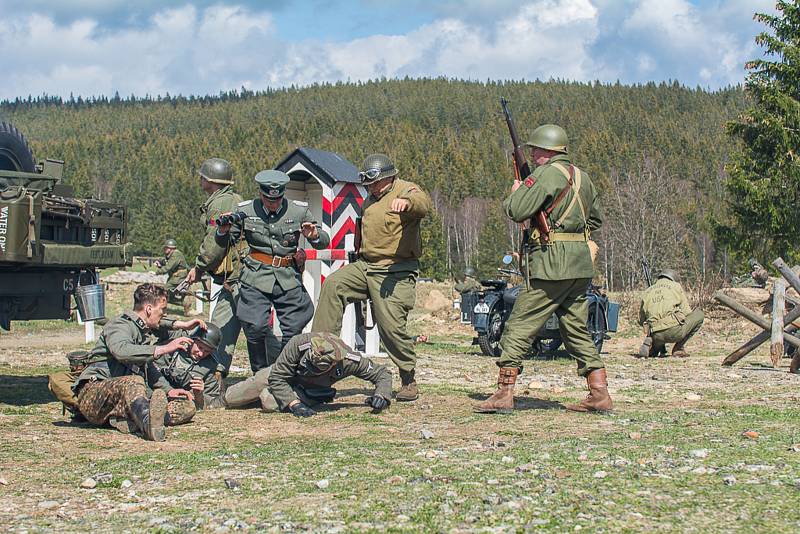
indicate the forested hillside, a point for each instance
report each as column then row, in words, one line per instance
column 655, row 151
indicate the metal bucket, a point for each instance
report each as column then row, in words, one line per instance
column 91, row 301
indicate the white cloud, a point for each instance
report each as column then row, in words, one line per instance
column 193, row 50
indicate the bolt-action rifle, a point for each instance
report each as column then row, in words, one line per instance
column 646, row 272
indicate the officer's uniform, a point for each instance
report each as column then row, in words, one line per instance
column 559, row 272
column 122, row 370
column 270, row 276
column 222, row 262
column 289, row 379
column 386, row 271
column 666, row 311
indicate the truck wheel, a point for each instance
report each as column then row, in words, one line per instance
column 15, row 153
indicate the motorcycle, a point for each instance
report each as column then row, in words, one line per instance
column 489, row 309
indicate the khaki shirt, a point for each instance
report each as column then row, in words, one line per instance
column 126, row 347
column 389, row 238
column 663, row 305
column 176, row 268
column 213, row 258
column 559, row 260
column 288, row 371
column 276, row 234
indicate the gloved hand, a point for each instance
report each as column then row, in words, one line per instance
column 301, row 410
column 377, row 402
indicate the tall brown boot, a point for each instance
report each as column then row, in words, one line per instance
column 598, row 399
column 503, row 399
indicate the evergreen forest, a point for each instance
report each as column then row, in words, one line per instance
column 657, row 152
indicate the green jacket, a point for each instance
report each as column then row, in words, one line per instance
column 468, row 285
column 393, row 239
column 179, row 368
column 176, row 268
column 220, row 261
column 559, row 260
column 664, row 305
column 126, row 347
column 287, row 371
column 276, row 234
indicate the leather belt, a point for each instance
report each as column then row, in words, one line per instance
column 275, row 261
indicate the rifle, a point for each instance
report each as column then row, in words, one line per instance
column 522, row 171
column 646, row 272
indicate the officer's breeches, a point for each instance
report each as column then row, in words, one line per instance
column 99, row 400
column 684, row 331
column 392, row 295
column 565, row 298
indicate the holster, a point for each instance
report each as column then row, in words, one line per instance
column 299, row 260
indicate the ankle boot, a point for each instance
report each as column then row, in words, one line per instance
column 408, row 387
column 503, row 399
column 149, row 415
column 677, row 349
column 644, row 350
column 598, row 399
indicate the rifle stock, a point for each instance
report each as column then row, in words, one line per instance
column 522, row 171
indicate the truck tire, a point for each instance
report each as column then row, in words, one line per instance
column 15, row 153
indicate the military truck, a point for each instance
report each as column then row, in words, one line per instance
column 51, row 243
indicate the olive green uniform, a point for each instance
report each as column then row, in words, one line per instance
column 665, row 309
column 122, row 369
column 179, row 368
column 468, row 285
column 287, row 379
column 222, row 262
column 558, row 272
column 263, row 285
column 386, row 271
column 176, row 268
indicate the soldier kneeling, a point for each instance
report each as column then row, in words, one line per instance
column 114, row 387
column 667, row 317
column 303, row 374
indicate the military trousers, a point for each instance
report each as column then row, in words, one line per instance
column 255, row 389
column 102, row 399
column 293, row 309
column 565, row 298
column 679, row 332
column 392, row 295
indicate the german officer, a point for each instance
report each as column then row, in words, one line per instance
column 559, row 270
column 271, row 226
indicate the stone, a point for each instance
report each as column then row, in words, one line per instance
column 507, row 459
column 103, row 478
column 492, row 482
column 693, row 397
column 323, row 484
column 729, row 480
column 426, row 434
column 232, row 484
column 750, row 434
column 3, row 482
column 48, row 505
column 699, row 453
column 126, row 484
column 636, row 436
column 525, row 468
column 600, row 474
column 395, row 480
column 536, row 385
column 89, row 483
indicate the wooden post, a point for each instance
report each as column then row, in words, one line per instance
column 787, row 273
column 778, row 308
column 752, row 316
column 758, row 339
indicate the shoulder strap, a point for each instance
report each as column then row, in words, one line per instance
column 575, row 185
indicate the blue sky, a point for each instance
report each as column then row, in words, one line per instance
column 91, row 47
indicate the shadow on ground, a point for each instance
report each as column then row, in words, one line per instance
column 24, row 390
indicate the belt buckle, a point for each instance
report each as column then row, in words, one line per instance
column 276, row 261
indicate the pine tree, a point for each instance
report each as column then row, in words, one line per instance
column 764, row 174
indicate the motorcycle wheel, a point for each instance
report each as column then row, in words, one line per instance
column 490, row 341
column 544, row 348
column 598, row 334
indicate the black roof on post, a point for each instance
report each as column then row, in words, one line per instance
column 328, row 166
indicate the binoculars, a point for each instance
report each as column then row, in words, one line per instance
column 230, row 218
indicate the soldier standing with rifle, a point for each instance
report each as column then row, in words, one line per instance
column 389, row 246
column 221, row 262
column 271, row 226
column 561, row 203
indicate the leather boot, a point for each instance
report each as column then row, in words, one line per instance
column 150, row 415
column 598, row 399
column 677, row 349
column 644, row 350
column 408, row 387
column 503, row 399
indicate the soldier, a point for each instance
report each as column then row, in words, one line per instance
column 303, row 375
column 667, row 317
column 558, row 271
column 387, row 268
column 113, row 388
column 221, row 262
column 271, row 273
column 469, row 284
column 194, row 369
column 176, row 268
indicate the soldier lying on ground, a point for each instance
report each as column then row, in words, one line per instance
column 195, row 369
column 114, row 387
column 303, row 375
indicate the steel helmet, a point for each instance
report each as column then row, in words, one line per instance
column 210, row 337
column 376, row 167
column 170, row 243
column 549, row 137
column 216, row 170
column 672, row 274
column 469, row 271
